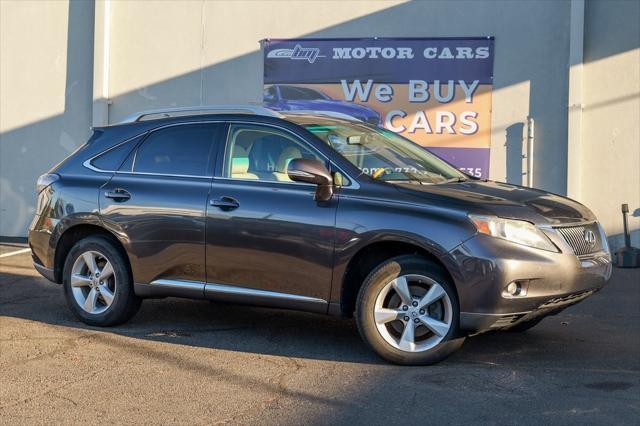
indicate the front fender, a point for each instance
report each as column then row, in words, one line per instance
column 361, row 222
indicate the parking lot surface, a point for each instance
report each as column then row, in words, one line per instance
column 196, row 362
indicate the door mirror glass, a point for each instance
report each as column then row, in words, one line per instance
column 314, row 172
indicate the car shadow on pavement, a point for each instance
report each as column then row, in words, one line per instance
column 274, row 332
column 578, row 367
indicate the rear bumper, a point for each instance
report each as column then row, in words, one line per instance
column 41, row 244
column 551, row 281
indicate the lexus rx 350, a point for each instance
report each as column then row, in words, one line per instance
column 310, row 212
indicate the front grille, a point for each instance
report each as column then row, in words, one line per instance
column 578, row 238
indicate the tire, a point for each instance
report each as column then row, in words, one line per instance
column 379, row 298
column 524, row 326
column 108, row 299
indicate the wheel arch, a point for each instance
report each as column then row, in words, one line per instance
column 75, row 233
column 373, row 254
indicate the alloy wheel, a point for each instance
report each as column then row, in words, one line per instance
column 93, row 282
column 413, row 313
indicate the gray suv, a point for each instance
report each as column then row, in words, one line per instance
column 308, row 211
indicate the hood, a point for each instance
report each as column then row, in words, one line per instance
column 504, row 200
column 343, row 107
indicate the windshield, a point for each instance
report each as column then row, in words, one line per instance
column 381, row 153
column 300, row 93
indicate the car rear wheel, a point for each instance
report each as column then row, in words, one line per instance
column 97, row 283
column 407, row 311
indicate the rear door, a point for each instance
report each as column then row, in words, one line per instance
column 156, row 204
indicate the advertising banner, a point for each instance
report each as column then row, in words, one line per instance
column 434, row 91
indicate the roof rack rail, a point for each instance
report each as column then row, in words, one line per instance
column 204, row 109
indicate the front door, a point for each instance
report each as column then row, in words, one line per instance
column 156, row 203
column 267, row 237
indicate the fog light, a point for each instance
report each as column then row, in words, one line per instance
column 514, row 289
column 517, row 288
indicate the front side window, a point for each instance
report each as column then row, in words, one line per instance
column 262, row 153
column 177, row 150
column 380, row 153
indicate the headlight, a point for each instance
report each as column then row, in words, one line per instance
column 516, row 231
column 603, row 238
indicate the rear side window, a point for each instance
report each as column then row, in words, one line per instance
column 112, row 159
column 177, row 150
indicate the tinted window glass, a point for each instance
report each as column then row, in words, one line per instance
column 300, row 93
column 380, row 153
column 179, row 150
column 270, row 92
column 112, row 159
column 263, row 153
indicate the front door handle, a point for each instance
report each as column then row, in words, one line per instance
column 118, row 195
column 225, row 203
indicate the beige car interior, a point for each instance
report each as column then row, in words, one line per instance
column 263, row 155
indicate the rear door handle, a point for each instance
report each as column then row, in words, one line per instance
column 118, row 195
column 225, row 203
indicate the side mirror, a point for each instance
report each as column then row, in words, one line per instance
column 312, row 171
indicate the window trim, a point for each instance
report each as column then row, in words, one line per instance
column 88, row 162
column 353, row 184
column 144, row 135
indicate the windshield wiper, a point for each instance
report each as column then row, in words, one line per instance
column 455, row 180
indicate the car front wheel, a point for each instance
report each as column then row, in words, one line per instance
column 97, row 283
column 407, row 311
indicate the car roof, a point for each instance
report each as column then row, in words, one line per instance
column 155, row 118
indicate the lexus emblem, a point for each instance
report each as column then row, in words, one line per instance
column 590, row 238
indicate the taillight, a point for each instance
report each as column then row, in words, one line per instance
column 46, row 180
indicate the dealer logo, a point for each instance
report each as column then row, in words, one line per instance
column 309, row 54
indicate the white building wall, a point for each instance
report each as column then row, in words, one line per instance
column 610, row 152
column 164, row 53
column 45, row 97
column 207, row 52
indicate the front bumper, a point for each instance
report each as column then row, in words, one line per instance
column 551, row 281
column 48, row 273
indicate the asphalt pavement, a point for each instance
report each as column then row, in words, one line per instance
column 196, row 362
